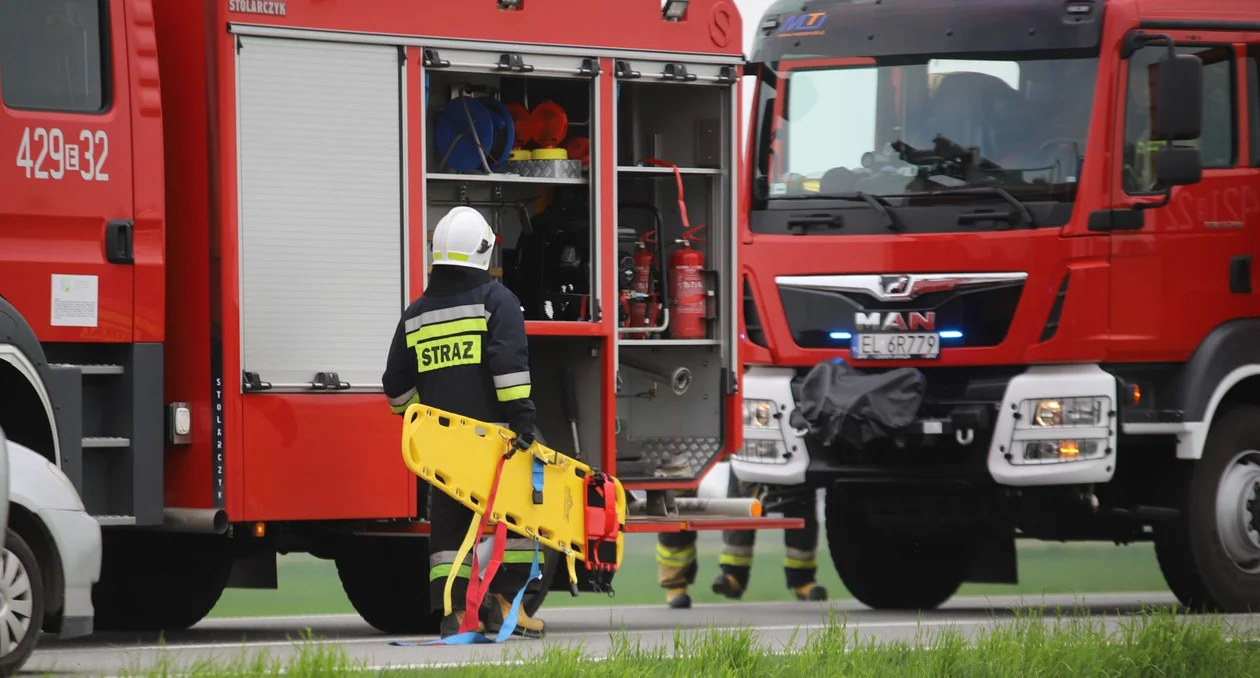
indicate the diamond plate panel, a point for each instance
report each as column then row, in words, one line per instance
column 547, row 169
column 694, row 452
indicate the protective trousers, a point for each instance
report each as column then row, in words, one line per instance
column 676, row 551
column 450, row 520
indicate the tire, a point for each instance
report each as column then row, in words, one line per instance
column 159, row 581
column 1210, row 555
column 887, row 572
column 387, row 582
column 22, row 608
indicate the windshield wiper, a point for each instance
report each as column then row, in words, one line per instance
column 878, row 203
column 1020, row 215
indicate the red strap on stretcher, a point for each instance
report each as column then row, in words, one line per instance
column 476, row 588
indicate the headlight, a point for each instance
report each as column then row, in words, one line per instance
column 1068, row 412
column 1055, row 451
column 761, row 452
column 758, row 413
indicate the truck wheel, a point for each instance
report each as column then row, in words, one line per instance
column 21, row 603
column 887, row 572
column 1210, row 555
column 387, row 582
column 153, row 581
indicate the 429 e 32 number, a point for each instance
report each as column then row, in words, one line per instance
column 45, row 154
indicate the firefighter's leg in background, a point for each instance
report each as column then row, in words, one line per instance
column 736, row 557
column 800, row 558
column 676, row 566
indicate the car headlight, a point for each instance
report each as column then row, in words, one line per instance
column 758, row 413
column 1068, row 412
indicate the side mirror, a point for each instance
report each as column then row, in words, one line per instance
column 1179, row 112
column 1178, row 166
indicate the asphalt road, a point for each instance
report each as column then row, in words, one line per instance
column 224, row 639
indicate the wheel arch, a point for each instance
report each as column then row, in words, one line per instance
column 1224, row 369
column 31, row 420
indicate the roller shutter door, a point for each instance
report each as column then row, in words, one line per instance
column 321, row 218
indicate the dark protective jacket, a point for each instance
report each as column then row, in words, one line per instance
column 461, row 347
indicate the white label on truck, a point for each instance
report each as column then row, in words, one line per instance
column 74, row 300
column 47, row 153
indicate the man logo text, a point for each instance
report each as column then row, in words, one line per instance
column 898, row 322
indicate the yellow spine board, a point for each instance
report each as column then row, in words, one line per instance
column 458, row 456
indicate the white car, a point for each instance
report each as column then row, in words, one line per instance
column 51, row 555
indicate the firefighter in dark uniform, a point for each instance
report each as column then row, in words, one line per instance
column 461, row 347
column 676, row 555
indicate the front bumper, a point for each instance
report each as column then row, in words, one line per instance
column 77, row 536
column 973, row 426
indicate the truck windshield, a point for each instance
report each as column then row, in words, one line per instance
column 906, row 126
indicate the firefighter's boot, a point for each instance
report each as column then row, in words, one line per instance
column 728, row 585
column 526, row 626
column 678, row 598
column 810, row 592
column 451, row 623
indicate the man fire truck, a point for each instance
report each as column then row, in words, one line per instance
column 214, row 211
column 999, row 282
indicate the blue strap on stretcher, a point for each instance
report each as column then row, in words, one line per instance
column 514, row 613
column 537, row 477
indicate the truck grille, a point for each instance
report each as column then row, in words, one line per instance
column 827, row 318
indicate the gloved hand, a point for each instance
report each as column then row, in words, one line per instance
column 524, row 440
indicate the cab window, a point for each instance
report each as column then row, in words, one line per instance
column 52, row 55
column 1218, row 142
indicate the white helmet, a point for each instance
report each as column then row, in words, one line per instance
column 463, row 238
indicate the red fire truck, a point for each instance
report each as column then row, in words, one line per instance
column 999, row 282
column 216, row 210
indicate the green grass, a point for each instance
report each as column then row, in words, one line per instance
column 1156, row 643
column 310, row 586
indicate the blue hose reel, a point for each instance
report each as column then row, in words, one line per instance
column 467, row 120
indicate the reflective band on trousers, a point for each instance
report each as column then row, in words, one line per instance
column 680, row 558
column 442, row 571
column 736, row 556
column 734, row 561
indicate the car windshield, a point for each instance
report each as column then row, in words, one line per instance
column 900, row 127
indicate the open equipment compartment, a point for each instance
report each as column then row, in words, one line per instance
column 675, row 130
column 510, row 135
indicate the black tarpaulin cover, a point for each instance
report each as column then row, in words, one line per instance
column 837, row 403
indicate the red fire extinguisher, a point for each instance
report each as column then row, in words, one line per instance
column 688, row 298
column 643, row 309
column 687, row 293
